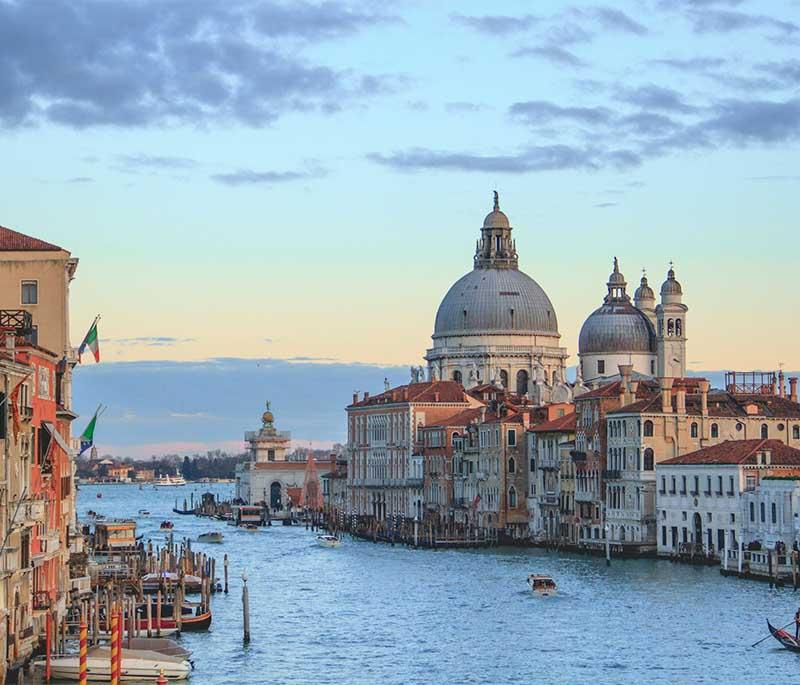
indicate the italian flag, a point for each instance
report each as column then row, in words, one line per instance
column 87, row 437
column 91, row 341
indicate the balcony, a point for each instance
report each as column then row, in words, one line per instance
column 480, row 475
column 611, row 474
column 577, row 456
column 548, row 463
column 550, row 498
column 415, row 481
column 586, row 496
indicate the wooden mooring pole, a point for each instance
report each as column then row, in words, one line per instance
column 245, row 608
column 225, row 565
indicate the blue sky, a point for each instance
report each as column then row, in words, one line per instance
column 280, row 180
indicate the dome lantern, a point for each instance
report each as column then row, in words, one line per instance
column 495, row 248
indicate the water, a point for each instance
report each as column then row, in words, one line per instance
column 371, row 613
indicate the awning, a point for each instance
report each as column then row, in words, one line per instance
column 58, row 438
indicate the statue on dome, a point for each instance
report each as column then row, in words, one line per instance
column 474, row 374
column 386, row 385
column 434, row 373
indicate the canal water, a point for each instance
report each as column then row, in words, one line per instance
column 372, row 613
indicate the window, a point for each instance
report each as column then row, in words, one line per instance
column 730, row 486
column 663, row 485
column 694, row 430
column 708, row 485
column 270, row 455
column 764, row 431
column 714, row 430
column 663, row 536
column 774, row 513
column 796, row 432
column 648, row 459
column 670, row 327
column 672, row 488
column 752, row 511
column 683, row 485
column 719, row 485
column 696, row 490
column 457, row 376
column 512, row 465
column 652, row 367
column 30, row 292
column 512, row 498
column 648, row 429
column 763, row 516
column 512, row 437
column 601, row 366
column 678, row 327
column 504, row 378
column 522, row 382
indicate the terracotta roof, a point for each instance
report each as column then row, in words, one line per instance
column 462, row 418
column 13, row 241
column 448, row 391
column 565, row 423
column 721, row 404
column 644, row 389
column 739, row 452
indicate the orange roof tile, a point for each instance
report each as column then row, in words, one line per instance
column 739, row 452
column 448, row 391
column 13, row 241
column 562, row 424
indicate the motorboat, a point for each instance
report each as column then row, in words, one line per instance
column 144, row 512
column 167, row 525
column 210, row 537
column 541, row 585
column 328, row 541
column 136, row 665
column 251, row 527
column 170, row 481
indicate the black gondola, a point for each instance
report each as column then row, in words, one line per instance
column 786, row 639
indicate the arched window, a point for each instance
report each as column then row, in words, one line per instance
column 522, row 382
column 512, row 498
column 714, row 430
column 752, row 511
column 694, row 430
column 555, row 377
column 624, row 429
column 648, row 429
column 512, row 465
column 796, row 432
column 774, row 513
column 764, row 431
column 504, row 378
column 763, row 517
column 455, row 437
column 648, row 459
column 457, row 376
column 670, row 327
column 678, row 327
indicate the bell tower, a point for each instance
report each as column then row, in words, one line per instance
column 671, row 329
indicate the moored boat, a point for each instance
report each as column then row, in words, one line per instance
column 167, row 525
column 150, row 582
column 541, row 585
column 210, row 537
column 136, row 665
column 328, row 541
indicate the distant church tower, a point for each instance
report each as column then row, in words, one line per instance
column 671, row 329
column 644, row 299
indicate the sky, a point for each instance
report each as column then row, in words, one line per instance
column 300, row 183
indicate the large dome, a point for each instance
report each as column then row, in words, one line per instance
column 489, row 296
column 617, row 327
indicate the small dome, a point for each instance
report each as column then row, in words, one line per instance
column 616, row 278
column 267, row 417
column 496, row 219
column 617, row 327
column 671, row 286
column 644, row 291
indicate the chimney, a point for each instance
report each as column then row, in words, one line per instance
column 483, row 414
column 625, row 385
column 666, row 395
column 436, row 396
column 793, row 388
column 704, row 386
column 405, row 393
column 634, row 389
column 366, row 396
column 526, row 420
column 680, row 400
column 355, row 398
column 781, row 384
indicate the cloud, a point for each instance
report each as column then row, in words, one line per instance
column 463, row 107
column 497, row 25
column 154, row 341
column 787, row 72
column 551, row 53
column 536, row 112
column 727, row 21
column 134, row 163
column 652, row 97
column 691, row 64
column 80, row 179
column 605, row 205
column 245, row 177
column 129, row 63
column 614, row 20
column 532, row 159
column 747, row 121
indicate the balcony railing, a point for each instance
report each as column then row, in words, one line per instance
column 611, row 474
column 548, row 463
column 41, row 600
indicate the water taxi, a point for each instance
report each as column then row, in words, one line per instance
column 328, row 541
column 543, row 586
column 167, row 481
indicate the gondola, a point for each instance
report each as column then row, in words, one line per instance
column 786, row 639
column 183, row 512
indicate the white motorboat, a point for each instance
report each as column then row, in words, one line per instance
column 328, row 541
column 541, row 585
column 136, row 665
column 210, row 537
